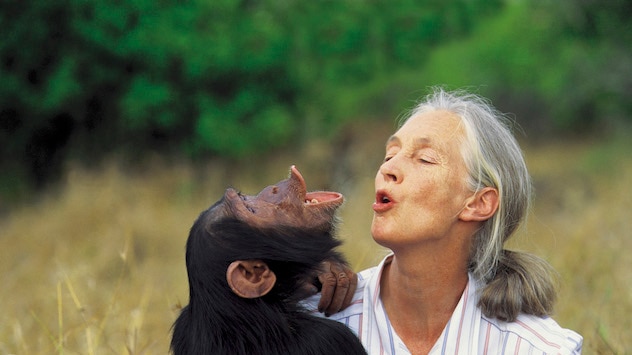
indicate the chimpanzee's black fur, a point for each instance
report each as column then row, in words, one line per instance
column 217, row 321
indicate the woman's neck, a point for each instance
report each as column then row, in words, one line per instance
column 420, row 292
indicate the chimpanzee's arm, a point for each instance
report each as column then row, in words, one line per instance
column 338, row 284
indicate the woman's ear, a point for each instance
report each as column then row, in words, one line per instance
column 250, row 278
column 481, row 206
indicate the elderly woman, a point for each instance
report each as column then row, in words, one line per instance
column 452, row 188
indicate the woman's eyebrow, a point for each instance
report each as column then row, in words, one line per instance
column 423, row 141
column 393, row 140
column 418, row 142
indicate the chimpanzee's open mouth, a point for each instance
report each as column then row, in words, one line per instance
column 314, row 198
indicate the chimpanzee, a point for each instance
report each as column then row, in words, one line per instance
column 249, row 259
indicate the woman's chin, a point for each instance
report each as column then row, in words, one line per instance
column 380, row 234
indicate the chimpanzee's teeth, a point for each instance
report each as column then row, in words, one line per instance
column 311, row 201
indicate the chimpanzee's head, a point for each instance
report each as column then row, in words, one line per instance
column 275, row 238
column 285, row 204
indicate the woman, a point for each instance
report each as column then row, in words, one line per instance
column 452, row 189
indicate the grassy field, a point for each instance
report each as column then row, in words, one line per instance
column 96, row 265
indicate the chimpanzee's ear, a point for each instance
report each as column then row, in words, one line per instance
column 250, row 278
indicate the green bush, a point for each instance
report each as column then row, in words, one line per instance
column 231, row 78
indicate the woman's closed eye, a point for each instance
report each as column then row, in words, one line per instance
column 427, row 159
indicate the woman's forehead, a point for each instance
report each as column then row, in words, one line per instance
column 431, row 128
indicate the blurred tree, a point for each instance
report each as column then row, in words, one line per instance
column 83, row 78
column 561, row 67
column 37, row 80
column 597, row 92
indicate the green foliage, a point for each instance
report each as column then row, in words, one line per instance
column 232, row 77
column 258, row 129
column 534, row 62
column 226, row 78
column 147, row 104
column 61, row 87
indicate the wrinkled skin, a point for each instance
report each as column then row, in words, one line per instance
column 288, row 203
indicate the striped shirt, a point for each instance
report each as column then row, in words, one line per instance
column 467, row 332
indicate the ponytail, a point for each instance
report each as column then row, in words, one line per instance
column 523, row 283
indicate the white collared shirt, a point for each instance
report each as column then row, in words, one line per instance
column 467, row 332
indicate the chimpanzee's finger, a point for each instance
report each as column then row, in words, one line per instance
column 328, row 286
column 353, row 284
column 341, row 290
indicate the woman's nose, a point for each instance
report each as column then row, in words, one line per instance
column 390, row 171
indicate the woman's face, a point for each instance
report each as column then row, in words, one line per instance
column 421, row 185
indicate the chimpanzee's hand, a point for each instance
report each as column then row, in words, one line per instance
column 338, row 286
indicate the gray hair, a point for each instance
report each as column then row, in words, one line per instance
column 514, row 282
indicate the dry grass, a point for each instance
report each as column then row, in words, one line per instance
column 97, row 266
column 582, row 225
